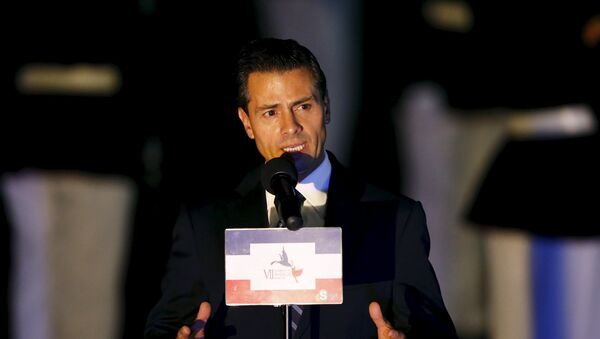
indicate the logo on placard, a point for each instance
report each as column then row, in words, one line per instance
column 322, row 296
column 288, row 270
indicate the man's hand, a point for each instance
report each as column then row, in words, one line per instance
column 384, row 328
column 197, row 329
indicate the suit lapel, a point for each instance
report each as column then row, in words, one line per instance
column 250, row 209
column 342, row 197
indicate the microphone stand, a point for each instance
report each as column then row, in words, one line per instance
column 285, row 309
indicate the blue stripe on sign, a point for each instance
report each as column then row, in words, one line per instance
column 548, row 288
column 326, row 239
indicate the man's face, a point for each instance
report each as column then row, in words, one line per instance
column 284, row 115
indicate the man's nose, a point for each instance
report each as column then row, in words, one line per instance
column 290, row 124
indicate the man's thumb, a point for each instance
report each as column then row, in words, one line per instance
column 204, row 311
column 197, row 328
column 376, row 315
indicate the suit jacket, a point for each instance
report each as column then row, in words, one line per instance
column 385, row 259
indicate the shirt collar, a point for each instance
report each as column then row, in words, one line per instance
column 314, row 187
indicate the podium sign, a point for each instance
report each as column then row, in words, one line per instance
column 276, row 266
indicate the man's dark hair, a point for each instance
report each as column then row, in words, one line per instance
column 269, row 55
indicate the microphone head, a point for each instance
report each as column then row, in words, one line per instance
column 294, row 222
column 281, row 166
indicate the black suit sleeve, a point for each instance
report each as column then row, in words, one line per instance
column 418, row 309
column 182, row 287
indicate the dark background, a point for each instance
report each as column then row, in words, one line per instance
column 176, row 59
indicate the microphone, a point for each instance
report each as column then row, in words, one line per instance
column 279, row 177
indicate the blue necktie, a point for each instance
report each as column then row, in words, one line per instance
column 295, row 316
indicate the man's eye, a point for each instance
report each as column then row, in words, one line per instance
column 304, row 107
column 270, row 113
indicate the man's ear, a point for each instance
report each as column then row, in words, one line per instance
column 246, row 122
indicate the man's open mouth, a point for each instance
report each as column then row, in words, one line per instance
column 294, row 149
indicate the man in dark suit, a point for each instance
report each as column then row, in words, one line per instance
column 390, row 288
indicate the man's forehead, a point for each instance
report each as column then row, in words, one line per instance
column 261, row 75
column 272, row 86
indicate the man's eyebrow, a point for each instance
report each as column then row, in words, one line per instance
column 296, row 102
column 267, row 106
column 299, row 101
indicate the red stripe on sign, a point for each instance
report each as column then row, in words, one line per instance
column 327, row 291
